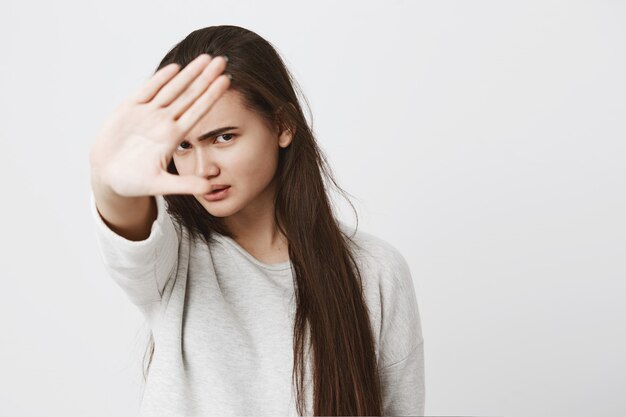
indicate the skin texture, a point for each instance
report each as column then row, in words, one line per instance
column 246, row 159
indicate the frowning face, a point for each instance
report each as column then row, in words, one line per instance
column 232, row 146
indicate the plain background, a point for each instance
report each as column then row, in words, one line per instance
column 485, row 140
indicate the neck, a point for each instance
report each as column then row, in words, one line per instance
column 255, row 229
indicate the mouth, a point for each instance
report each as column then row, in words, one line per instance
column 217, row 194
column 217, row 190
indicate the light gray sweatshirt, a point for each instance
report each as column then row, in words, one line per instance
column 222, row 322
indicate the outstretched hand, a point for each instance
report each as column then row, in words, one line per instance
column 134, row 146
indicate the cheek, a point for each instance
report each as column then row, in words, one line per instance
column 259, row 165
column 185, row 165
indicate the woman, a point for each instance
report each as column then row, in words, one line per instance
column 213, row 215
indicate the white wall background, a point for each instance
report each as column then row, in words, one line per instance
column 486, row 140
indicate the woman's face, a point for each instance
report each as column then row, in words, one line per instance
column 242, row 154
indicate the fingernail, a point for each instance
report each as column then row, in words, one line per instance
column 228, row 74
column 225, row 57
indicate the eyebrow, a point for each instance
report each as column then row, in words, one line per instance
column 214, row 132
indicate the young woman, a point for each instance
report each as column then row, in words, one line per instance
column 212, row 213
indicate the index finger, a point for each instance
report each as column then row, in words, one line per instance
column 204, row 103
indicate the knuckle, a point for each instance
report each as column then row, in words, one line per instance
column 207, row 76
column 211, row 98
column 211, row 95
column 167, row 112
column 153, row 105
column 190, row 114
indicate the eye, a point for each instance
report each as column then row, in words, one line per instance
column 183, row 143
column 227, row 138
column 230, row 136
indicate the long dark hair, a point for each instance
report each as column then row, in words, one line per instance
column 327, row 281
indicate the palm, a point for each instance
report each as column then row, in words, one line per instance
column 132, row 149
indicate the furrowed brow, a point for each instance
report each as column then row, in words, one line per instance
column 214, row 132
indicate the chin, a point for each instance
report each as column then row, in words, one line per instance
column 219, row 208
column 218, row 213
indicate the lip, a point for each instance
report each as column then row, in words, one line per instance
column 218, row 195
column 219, row 186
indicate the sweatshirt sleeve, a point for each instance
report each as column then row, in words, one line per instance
column 403, row 385
column 140, row 268
column 401, row 341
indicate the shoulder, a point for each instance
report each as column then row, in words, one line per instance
column 376, row 254
column 389, row 293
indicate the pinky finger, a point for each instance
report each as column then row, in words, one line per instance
column 182, row 184
column 204, row 103
column 154, row 84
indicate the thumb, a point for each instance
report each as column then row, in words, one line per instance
column 182, row 184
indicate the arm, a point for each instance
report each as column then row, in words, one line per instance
column 141, row 267
column 402, row 385
column 401, row 342
column 129, row 217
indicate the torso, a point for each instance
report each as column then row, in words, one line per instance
column 270, row 256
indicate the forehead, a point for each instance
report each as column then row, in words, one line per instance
column 229, row 105
column 229, row 110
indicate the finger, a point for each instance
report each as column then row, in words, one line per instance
column 197, row 87
column 182, row 184
column 178, row 84
column 203, row 104
column 152, row 86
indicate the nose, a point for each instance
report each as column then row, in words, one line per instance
column 206, row 165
